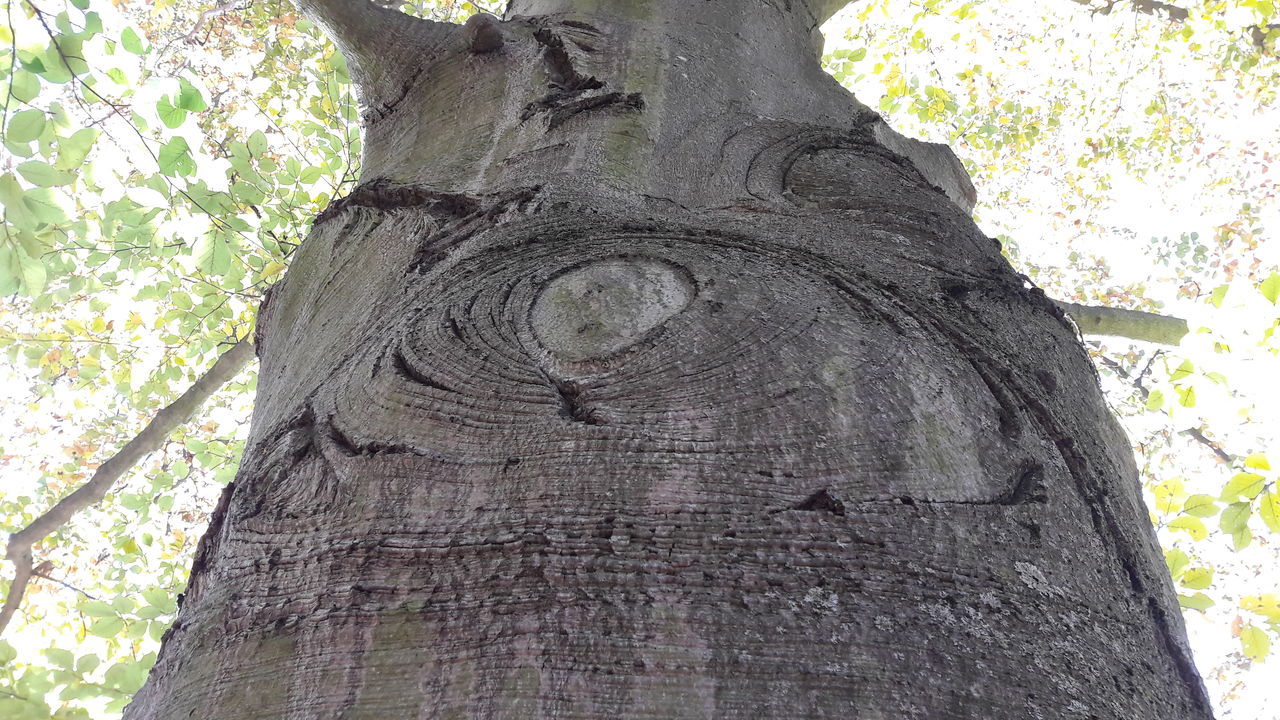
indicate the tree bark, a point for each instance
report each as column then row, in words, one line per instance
column 649, row 374
column 1120, row 322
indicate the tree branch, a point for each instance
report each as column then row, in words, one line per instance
column 823, row 9
column 382, row 46
column 149, row 440
column 1132, row 324
column 1198, row 435
column 211, row 13
column 1149, row 7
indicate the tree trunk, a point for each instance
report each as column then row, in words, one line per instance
column 647, row 374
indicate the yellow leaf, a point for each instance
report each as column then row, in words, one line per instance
column 1193, row 526
column 1267, row 605
column 1255, row 643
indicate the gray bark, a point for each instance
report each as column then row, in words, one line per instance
column 1132, row 324
column 643, row 377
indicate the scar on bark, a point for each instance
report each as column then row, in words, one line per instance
column 352, row 448
column 820, row 501
column 385, row 195
column 569, row 87
column 1027, row 486
column 572, row 404
column 1007, row 415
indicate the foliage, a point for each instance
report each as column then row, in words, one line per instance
column 162, row 160
column 1112, row 162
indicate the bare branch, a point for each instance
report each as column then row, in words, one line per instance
column 149, row 440
column 1198, row 435
column 1132, row 324
column 211, row 13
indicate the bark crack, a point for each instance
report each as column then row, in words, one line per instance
column 820, row 501
column 569, row 87
column 572, row 403
column 385, row 195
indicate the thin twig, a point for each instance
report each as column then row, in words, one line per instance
column 1198, row 435
column 66, row 585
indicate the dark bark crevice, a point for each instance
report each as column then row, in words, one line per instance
column 571, row 89
column 561, row 113
column 573, row 403
column 820, row 501
column 387, row 196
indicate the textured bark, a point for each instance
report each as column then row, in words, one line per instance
column 649, row 375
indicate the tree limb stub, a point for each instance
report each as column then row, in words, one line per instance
column 381, row 45
column 168, row 419
column 1132, row 324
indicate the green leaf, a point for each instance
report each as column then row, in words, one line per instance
column 1155, row 400
column 87, row 663
column 33, row 274
column 126, row 676
column 175, row 158
column 1187, row 397
column 257, row 144
column 1270, row 288
column 1235, row 516
column 96, row 608
column 132, row 41
column 1193, row 526
column 1177, row 562
column 1200, row 506
column 1243, row 485
column 28, row 208
column 1183, row 370
column 107, row 627
column 169, row 114
column 1241, row 538
column 1255, row 643
column 1197, row 578
column 1269, row 511
column 1198, row 601
column 25, row 126
column 214, row 253
column 189, row 97
column 43, row 174
column 10, row 270
column 61, row 658
column 73, row 150
column 25, row 85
